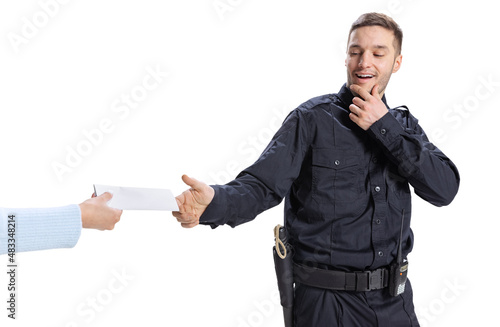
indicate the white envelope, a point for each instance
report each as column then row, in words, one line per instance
column 134, row 198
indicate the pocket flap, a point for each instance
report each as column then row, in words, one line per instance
column 334, row 158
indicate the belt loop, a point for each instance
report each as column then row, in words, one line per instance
column 362, row 281
column 350, row 281
column 375, row 279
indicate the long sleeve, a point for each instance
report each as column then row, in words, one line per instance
column 433, row 176
column 42, row 228
column 265, row 183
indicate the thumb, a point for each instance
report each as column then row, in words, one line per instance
column 106, row 196
column 192, row 182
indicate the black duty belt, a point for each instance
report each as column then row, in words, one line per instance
column 361, row 281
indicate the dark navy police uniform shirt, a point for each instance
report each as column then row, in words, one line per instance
column 345, row 188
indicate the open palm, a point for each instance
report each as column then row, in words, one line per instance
column 193, row 202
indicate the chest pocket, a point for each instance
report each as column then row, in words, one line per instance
column 336, row 180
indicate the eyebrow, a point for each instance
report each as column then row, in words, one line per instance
column 384, row 47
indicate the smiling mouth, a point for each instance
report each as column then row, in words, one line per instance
column 364, row 76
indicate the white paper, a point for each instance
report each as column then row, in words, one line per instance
column 134, row 198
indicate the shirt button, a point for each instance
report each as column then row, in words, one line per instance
column 378, row 221
column 337, row 162
column 383, row 131
column 380, row 253
column 377, row 189
column 375, row 160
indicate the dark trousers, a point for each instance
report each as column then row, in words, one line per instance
column 316, row 307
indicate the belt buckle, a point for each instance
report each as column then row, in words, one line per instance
column 375, row 279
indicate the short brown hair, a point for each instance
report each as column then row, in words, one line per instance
column 376, row 19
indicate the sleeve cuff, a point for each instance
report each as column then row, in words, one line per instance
column 215, row 212
column 386, row 130
column 46, row 228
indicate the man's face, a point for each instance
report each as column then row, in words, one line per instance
column 371, row 58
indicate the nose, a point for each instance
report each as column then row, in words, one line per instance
column 365, row 60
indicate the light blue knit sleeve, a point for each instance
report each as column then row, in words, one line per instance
column 41, row 228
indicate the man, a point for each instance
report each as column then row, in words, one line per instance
column 344, row 163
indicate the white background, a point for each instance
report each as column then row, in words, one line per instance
column 233, row 75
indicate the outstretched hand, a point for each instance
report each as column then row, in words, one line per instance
column 193, row 202
column 367, row 108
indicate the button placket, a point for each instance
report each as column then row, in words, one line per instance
column 379, row 196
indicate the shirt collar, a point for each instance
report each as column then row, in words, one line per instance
column 346, row 96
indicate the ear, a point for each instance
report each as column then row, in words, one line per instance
column 397, row 63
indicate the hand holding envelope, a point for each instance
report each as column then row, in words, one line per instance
column 186, row 207
column 134, row 198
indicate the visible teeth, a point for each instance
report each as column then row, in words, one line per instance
column 364, row 76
